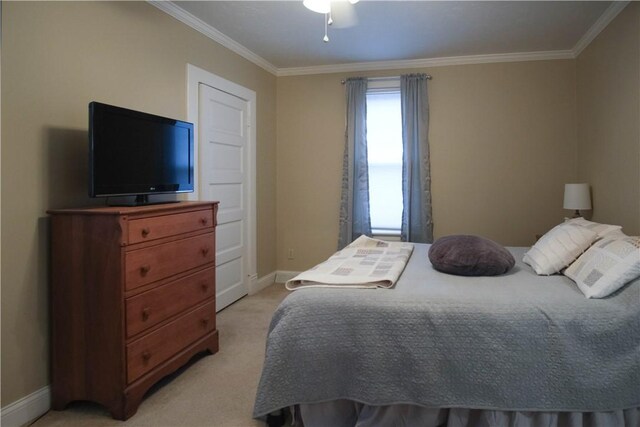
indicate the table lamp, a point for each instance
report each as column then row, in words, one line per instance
column 577, row 197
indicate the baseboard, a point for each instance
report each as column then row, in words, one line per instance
column 27, row 409
column 261, row 283
column 279, row 276
column 284, row 276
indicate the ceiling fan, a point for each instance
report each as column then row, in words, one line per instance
column 342, row 10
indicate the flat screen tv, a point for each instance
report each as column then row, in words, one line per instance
column 132, row 153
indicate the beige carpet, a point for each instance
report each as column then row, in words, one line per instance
column 213, row 390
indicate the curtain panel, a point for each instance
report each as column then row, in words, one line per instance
column 354, row 204
column 417, row 224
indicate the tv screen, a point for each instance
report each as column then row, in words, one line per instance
column 135, row 153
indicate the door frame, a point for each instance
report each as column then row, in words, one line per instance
column 195, row 77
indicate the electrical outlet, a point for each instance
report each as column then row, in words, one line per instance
column 290, row 254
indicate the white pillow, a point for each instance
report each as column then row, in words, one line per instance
column 616, row 234
column 559, row 247
column 606, row 266
column 601, row 230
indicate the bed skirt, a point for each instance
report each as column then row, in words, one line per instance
column 347, row 413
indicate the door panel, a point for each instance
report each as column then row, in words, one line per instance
column 223, row 177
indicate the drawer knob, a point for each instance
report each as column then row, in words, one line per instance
column 204, row 251
column 145, row 269
column 204, row 287
column 205, row 322
column 204, row 220
column 145, row 314
column 145, row 232
column 146, row 356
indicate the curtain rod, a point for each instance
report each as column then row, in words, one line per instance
column 427, row 76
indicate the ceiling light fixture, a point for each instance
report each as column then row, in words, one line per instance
column 319, row 6
column 324, row 7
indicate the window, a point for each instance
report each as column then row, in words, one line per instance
column 398, row 155
column 384, row 155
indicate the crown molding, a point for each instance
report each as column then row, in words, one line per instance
column 199, row 25
column 607, row 16
column 424, row 63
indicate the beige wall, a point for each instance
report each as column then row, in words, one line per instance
column 608, row 96
column 502, row 138
column 56, row 57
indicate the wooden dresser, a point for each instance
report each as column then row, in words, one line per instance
column 132, row 299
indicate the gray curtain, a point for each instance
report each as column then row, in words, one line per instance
column 416, row 175
column 354, row 204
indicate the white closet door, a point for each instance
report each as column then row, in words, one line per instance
column 224, row 167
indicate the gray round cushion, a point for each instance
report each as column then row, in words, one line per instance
column 465, row 255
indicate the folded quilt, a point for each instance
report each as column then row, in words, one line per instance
column 365, row 263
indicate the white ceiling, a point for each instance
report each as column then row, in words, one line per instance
column 284, row 35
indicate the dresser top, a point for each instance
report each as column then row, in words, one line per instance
column 129, row 210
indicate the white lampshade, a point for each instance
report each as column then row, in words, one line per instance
column 577, row 196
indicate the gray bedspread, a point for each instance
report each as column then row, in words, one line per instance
column 512, row 342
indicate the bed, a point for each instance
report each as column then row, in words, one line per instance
column 437, row 349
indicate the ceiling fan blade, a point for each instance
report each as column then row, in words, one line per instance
column 344, row 14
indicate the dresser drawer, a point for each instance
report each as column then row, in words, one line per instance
column 142, row 230
column 158, row 304
column 153, row 349
column 153, row 263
